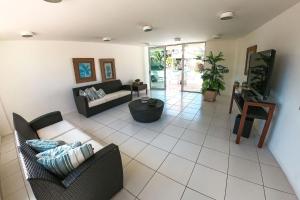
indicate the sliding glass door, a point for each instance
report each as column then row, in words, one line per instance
column 174, row 59
column 177, row 67
column 157, row 61
column 193, row 60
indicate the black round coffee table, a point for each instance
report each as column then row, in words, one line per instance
column 145, row 112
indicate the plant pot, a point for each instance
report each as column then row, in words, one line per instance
column 210, row 95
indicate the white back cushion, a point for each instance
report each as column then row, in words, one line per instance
column 55, row 130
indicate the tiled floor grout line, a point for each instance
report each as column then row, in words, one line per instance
column 280, row 190
column 134, row 158
column 262, row 178
column 198, row 193
column 195, row 164
column 156, row 171
column 227, row 168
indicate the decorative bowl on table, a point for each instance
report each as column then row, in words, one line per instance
column 145, row 99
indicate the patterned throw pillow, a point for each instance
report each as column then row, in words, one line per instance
column 101, row 93
column 43, row 145
column 63, row 164
column 82, row 93
column 58, row 150
column 91, row 93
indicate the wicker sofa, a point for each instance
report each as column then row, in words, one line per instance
column 116, row 94
column 100, row 177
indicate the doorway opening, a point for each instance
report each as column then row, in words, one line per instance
column 177, row 67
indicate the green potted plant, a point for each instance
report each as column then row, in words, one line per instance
column 213, row 77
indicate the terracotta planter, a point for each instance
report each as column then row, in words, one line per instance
column 210, row 96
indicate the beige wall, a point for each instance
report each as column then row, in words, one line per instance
column 4, row 123
column 282, row 34
column 228, row 47
column 38, row 76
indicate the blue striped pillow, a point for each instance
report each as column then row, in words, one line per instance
column 58, row 150
column 63, row 164
column 43, row 145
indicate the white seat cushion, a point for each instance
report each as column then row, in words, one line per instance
column 55, row 130
column 73, row 136
column 96, row 145
column 97, row 102
column 123, row 93
column 109, row 97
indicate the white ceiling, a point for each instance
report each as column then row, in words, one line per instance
column 89, row 20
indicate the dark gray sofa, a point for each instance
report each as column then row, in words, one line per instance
column 116, row 94
column 100, row 177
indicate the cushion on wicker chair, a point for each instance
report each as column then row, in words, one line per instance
column 63, row 164
column 58, row 150
column 43, row 145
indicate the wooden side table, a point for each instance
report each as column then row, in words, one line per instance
column 253, row 108
column 138, row 88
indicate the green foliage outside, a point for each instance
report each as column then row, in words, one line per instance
column 157, row 60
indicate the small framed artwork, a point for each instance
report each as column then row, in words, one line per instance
column 84, row 69
column 250, row 51
column 108, row 70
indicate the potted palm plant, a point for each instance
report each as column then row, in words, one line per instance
column 213, row 77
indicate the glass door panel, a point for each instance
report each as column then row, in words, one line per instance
column 193, row 60
column 157, row 67
column 174, row 67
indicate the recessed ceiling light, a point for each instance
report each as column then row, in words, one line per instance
column 27, row 34
column 106, row 39
column 147, row 28
column 217, row 36
column 177, row 39
column 227, row 15
column 53, row 1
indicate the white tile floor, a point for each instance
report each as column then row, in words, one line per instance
column 189, row 154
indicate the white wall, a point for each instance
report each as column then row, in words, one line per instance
column 37, row 76
column 228, row 47
column 282, row 34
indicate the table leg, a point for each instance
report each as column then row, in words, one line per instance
column 266, row 127
column 231, row 101
column 242, row 123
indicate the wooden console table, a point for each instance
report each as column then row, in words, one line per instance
column 251, row 107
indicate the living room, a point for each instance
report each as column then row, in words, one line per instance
column 190, row 151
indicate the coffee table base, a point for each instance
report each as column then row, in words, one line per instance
column 145, row 113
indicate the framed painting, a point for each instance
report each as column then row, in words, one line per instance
column 250, row 51
column 108, row 70
column 84, row 69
